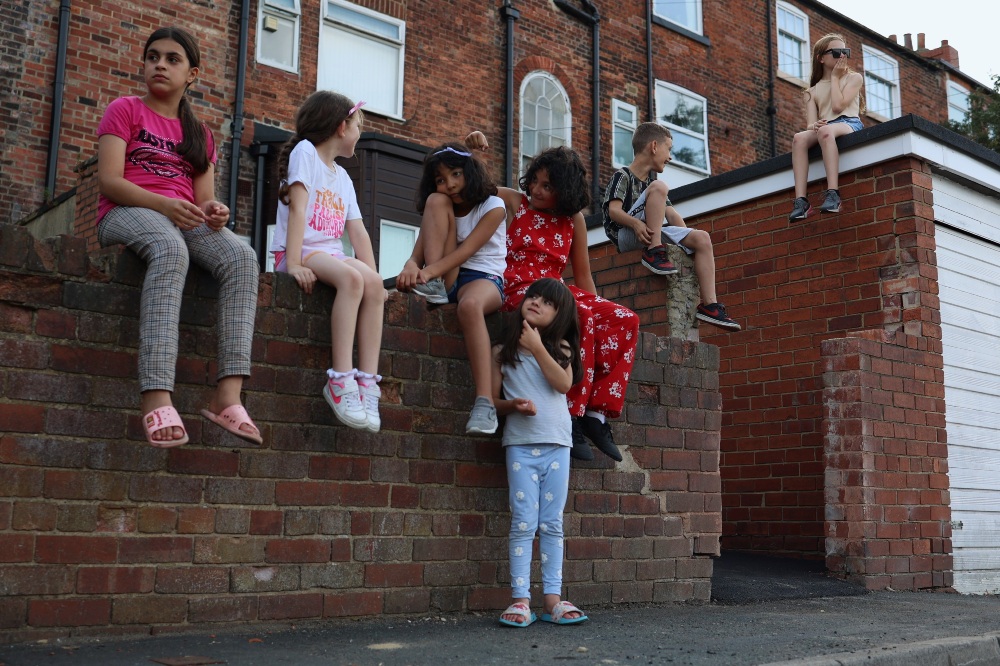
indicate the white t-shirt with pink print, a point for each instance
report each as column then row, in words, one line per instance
column 332, row 202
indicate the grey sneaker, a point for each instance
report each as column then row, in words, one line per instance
column 434, row 291
column 483, row 419
column 800, row 209
column 831, row 201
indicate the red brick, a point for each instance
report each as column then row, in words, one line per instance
column 290, row 606
column 115, row 580
column 352, row 604
column 69, row 612
column 75, row 549
column 394, row 575
column 155, row 549
column 192, row 580
column 298, row 550
column 16, row 547
column 205, row 462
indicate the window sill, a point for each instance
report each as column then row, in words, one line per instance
column 682, row 30
column 784, row 76
column 878, row 117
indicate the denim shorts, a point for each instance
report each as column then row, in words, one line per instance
column 467, row 275
column 851, row 121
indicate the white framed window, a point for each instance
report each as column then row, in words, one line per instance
column 396, row 241
column 686, row 115
column 624, row 120
column 278, row 33
column 546, row 119
column 793, row 41
column 361, row 54
column 958, row 102
column 881, row 84
column 685, row 13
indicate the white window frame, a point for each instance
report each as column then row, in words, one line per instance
column 628, row 128
column 675, row 130
column 567, row 130
column 698, row 24
column 383, row 223
column 326, row 77
column 803, row 40
column 954, row 89
column 269, row 9
column 878, row 77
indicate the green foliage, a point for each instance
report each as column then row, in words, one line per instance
column 982, row 122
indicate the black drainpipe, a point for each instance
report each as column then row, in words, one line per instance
column 594, row 20
column 237, row 126
column 510, row 15
column 55, row 128
column 771, row 109
column 259, row 234
column 651, row 110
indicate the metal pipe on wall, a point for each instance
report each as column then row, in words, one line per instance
column 510, row 14
column 237, row 126
column 55, row 128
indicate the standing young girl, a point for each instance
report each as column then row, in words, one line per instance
column 537, row 362
column 156, row 175
column 834, row 103
column 547, row 231
column 316, row 205
column 462, row 248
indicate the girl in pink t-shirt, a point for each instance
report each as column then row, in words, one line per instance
column 156, row 171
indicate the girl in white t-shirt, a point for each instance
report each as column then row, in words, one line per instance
column 316, row 205
column 460, row 257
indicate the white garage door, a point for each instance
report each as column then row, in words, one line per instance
column 969, row 280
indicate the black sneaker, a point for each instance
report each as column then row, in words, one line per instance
column 831, row 201
column 716, row 314
column 800, row 209
column 600, row 434
column 657, row 261
column 581, row 447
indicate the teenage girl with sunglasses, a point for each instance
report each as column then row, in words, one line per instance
column 834, row 102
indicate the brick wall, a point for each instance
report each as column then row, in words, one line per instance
column 888, row 516
column 105, row 43
column 100, row 532
column 792, row 286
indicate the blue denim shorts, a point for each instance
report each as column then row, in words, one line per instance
column 851, row 121
column 467, row 275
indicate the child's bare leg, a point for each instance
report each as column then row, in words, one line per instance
column 801, row 143
column 656, row 210
column 831, row 155
column 438, row 232
column 370, row 317
column 704, row 263
column 349, row 283
column 476, row 300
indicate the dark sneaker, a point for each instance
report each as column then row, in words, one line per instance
column 483, row 419
column 716, row 314
column 656, row 260
column 800, row 209
column 434, row 291
column 581, row 447
column 600, row 434
column 831, row 201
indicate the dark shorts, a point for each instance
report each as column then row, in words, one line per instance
column 467, row 275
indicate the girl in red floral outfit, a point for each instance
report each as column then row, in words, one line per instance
column 546, row 231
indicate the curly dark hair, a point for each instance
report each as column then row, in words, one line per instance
column 565, row 326
column 479, row 186
column 567, row 175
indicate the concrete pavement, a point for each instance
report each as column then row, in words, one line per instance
column 766, row 612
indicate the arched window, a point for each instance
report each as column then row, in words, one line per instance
column 546, row 120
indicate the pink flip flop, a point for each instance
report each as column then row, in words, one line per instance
column 231, row 418
column 160, row 418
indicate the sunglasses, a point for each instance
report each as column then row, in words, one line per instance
column 838, row 53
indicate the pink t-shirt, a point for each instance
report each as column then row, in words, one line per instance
column 151, row 160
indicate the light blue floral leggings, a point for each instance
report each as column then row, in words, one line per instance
column 538, row 481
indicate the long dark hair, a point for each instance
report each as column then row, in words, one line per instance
column 479, row 186
column 194, row 146
column 316, row 121
column 564, row 327
column 567, row 175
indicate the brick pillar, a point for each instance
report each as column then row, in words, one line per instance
column 887, row 502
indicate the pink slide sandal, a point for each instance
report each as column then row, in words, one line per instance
column 231, row 418
column 160, row 418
